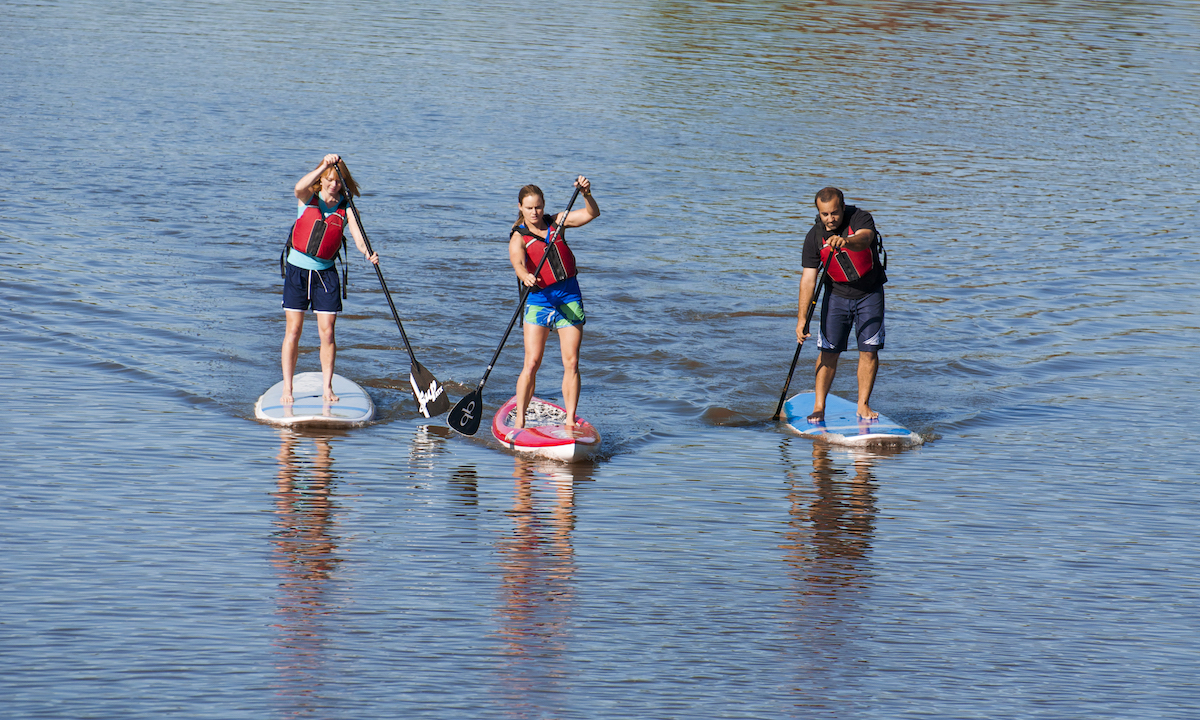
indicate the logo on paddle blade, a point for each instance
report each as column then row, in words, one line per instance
column 427, row 397
column 468, row 414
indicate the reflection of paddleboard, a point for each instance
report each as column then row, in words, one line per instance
column 842, row 425
column 544, row 434
column 309, row 409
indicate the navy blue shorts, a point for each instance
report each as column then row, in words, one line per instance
column 320, row 289
column 838, row 314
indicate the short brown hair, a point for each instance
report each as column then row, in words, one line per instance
column 826, row 194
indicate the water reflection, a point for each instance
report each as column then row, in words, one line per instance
column 428, row 443
column 831, row 527
column 305, row 561
column 537, row 574
column 827, row 545
column 832, row 518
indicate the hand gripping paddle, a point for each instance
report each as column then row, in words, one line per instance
column 467, row 413
column 431, row 397
column 807, row 319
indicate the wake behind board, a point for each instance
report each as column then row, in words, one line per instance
column 842, row 426
column 309, row 409
column 544, row 433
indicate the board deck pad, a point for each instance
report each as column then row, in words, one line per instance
column 309, row 409
column 544, row 433
column 842, row 425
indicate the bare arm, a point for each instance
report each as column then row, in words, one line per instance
column 359, row 239
column 303, row 193
column 516, row 255
column 860, row 240
column 589, row 212
column 808, row 285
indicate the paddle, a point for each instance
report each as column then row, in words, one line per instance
column 466, row 414
column 795, row 358
column 431, row 397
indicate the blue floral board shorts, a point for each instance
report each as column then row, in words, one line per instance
column 557, row 306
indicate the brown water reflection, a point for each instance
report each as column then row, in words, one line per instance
column 832, row 508
column 305, row 561
column 536, row 560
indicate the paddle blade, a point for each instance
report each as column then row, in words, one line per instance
column 466, row 414
column 430, row 395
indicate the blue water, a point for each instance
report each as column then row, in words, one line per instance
column 1031, row 166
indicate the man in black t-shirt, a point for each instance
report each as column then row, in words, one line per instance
column 844, row 240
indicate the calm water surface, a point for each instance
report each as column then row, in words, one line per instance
column 1032, row 168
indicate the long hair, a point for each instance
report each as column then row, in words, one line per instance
column 351, row 187
column 526, row 192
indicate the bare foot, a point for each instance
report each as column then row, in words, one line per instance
column 287, row 399
column 867, row 413
column 330, row 397
column 569, row 423
column 816, row 417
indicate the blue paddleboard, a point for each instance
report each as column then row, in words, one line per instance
column 842, row 426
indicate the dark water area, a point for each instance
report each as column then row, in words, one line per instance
column 1031, row 166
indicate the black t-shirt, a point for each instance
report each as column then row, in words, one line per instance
column 856, row 219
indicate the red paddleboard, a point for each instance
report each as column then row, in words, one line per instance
column 544, row 433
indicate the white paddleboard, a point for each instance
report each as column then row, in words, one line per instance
column 843, row 426
column 309, row 409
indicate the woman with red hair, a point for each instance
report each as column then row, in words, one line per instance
column 310, row 278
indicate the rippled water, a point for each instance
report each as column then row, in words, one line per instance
column 1031, row 167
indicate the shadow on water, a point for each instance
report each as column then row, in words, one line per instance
column 304, row 558
column 536, row 565
column 724, row 417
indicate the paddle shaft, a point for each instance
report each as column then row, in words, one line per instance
column 378, row 273
column 799, row 345
column 525, row 290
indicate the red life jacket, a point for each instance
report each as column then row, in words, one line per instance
column 847, row 266
column 319, row 236
column 560, row 264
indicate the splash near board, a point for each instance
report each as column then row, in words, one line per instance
column 842, row 426
column 309, row 409
column 544, row 433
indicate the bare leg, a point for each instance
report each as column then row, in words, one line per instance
column 569, row 340
column 826, row 370
column 535, row 346
column 868, row 367
column 291, row 348
column 325, row 323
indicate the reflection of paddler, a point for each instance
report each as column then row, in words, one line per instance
column 833, row 521
column 537, row 562
column 555, row 301
column 304, row 554
column 304, row 510
column 826, row 547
